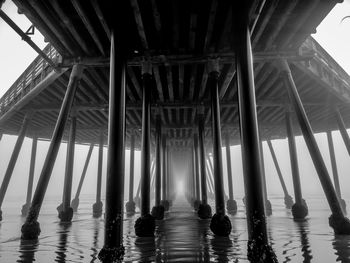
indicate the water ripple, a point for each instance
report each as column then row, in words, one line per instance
column 180, row 237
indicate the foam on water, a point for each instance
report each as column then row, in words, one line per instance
column 181, row 237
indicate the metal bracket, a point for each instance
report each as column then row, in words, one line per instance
column 30, row 30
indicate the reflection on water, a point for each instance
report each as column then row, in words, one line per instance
column 146, row 248
column 303, row 227
column 180, row 237
column 27, row 251
column 95, row 240
column 63, row 233
column 203, row 239
column 341, row 245
column 222, row 248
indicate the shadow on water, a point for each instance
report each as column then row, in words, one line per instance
column 286, row 248
column 204, row 255
column 183, row 237
column 158, row 254
column 27, row 251
column 63, row 233
column 146, row 248
column 222, row 249
column 341, row 245
column 304, row 230
column 95, row 241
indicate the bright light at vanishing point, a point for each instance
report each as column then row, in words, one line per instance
column 180, row 188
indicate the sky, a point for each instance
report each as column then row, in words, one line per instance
column 16, row 55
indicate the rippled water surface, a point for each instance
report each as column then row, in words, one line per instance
column 181, row 237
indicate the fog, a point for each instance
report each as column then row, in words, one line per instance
column 16, row 55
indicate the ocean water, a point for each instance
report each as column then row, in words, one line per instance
column 181, row 237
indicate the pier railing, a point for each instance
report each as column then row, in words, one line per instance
column 325, row 69
column 34, row 73
column 322, row 67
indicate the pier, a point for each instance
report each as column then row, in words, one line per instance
column 178, row 81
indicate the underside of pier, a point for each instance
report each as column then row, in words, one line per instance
column 179, row 38
column 171, row 78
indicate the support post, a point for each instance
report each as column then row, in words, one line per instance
column 299, row 209
column 342, row 129
column 335, row 170
column 337, row 220
column 66, row 212
column 220, row 223
column 75, row 202
column 137, row 196
column 130, row 206
column 197, row 202
column 153, row 181
column 169, row 178
column 288, row 200
column 192, row 178
column 13, row 159
column 210, row 190
column 98, row 205
column 258, row 245
column 31, row 228
column 211, row 173
column 204, row 209
column 158, row 209
column 268, row 206
column 188, row 183
column 153, row 176
column 164, row 201
column 145, row 225
column 25, row 207
column 210, row 182
column 231, row 202
column 113, row 243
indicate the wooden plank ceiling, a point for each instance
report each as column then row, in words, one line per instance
column 179, row 37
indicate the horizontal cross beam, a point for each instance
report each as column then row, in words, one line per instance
column 168, row 60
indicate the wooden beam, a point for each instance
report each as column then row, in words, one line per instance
column 282, row 21
column 203, row 86
column 71, row 27
column 211, row 20
column 279, row 103
column 134, row 81
column 170, row 116
column 228, row 78
column 259, row 30
column 96, row 85
column 88, row 24
column 192, row 82
column 100, row 80
column 89, row 89
column 177, row 114
column 100, row 16
column 225, row 30
column 169, row 76
column 176, row 30
column 156, row 16
column 139, row 23
column 192, row 33
column 158, row 82
column 186, row 59
column 44, row 26
column 129, row 94
column 181, row 81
